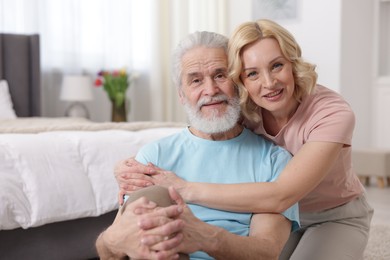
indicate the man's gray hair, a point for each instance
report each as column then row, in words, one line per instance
column 193, row 40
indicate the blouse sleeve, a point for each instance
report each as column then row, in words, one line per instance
column 332, row 120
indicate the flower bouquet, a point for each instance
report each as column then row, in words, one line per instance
column 115, row 83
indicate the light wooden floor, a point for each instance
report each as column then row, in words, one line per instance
column 379, row 242
column 379, row 199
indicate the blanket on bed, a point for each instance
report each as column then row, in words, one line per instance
column 55, row 170
column 42, row 124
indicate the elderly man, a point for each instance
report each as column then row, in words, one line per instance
column 213, row 143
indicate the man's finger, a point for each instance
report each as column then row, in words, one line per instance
column 169, row 227
column 175, row 196
column 159, row 243
column 160, row 217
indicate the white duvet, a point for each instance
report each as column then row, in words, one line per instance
column 53, row 176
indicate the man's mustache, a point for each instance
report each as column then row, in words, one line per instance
column 208, row 100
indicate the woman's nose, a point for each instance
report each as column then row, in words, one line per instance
column 268, row 80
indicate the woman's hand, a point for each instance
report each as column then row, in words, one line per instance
column 168, row 179
column 132, row 175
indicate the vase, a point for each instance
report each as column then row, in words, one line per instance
column 119, row 113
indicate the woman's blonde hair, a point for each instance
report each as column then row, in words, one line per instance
column 304, row 73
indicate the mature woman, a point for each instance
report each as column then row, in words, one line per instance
column 281, row 100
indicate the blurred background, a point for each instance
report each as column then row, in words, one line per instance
column 348, row 40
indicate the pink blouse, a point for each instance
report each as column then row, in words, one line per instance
column 323, row 116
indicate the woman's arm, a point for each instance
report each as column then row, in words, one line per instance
column 302, row 174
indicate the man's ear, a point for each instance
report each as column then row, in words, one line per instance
column 181, row 95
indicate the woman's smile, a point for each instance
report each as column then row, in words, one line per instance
column 275, row 95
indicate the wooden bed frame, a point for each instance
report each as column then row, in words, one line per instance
column 74, row 239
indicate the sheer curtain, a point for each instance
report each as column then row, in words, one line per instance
column 84, row 36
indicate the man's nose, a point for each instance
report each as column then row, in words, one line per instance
column 211, row 87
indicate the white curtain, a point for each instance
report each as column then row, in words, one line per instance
column 84, row 36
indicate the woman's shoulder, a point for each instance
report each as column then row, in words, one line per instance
column 324, row 106
column 327, row 116
column 324, row 97
column 322, row 91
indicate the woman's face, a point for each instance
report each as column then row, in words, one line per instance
column 268, row 77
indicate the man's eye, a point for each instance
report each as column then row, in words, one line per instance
column 220, row 76
column 195, row 81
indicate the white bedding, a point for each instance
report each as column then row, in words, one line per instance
column 60, row 175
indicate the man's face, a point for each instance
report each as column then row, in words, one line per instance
column 206, row 91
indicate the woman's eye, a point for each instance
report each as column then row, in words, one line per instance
column 251, row 74
column 277, row 66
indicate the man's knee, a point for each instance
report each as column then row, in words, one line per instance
column 157, row 194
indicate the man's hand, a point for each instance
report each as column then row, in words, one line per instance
column 198, row 235
column 143, row 231
column 267, row 236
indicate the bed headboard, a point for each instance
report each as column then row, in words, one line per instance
column 20, row 66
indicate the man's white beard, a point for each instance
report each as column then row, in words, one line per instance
column 214, row 123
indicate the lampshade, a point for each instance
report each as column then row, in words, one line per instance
column 76, row 88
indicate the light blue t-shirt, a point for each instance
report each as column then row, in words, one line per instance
column 245, row 158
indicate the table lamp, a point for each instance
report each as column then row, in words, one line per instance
column 76, row 89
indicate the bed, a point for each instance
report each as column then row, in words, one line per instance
column 57, row 189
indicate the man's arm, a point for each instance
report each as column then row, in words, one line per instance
column 267, row 237
column 268, row 234
column 104, row 251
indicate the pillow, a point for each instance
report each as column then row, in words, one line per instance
column 6, row 107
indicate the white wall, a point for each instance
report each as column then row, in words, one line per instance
column 381, row 75
column 316, row 28
column 356, row 66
